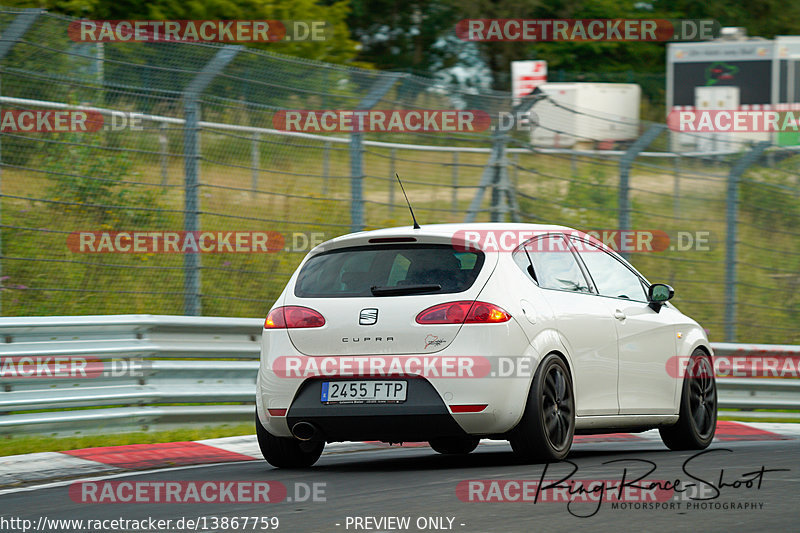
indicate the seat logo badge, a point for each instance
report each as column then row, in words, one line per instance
column 368, row 317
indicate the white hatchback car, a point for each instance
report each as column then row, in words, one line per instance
column 453, row 333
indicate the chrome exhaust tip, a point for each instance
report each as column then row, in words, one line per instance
column 304, row 431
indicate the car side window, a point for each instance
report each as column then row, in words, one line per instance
column 610, row 275
column 553, row 263
column 522, row 261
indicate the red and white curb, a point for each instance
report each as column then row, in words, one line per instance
column 36, row 468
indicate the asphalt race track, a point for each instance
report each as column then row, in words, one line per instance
column 362, row 489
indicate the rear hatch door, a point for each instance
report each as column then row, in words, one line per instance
column 371, row 294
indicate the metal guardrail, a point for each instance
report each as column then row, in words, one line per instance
column 209, row 363
column 763, row 394
column 201, row 371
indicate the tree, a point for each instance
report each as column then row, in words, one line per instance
column 337, row 48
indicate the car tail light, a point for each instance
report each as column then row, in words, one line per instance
column 293, row 316
column 463, row 312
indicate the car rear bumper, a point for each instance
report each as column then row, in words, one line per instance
column 431, row 408
column 422, row 417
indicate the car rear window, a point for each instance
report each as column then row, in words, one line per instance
column 354, row 271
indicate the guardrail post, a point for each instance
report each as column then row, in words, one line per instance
column 731, row 212
column 378, row 91
column 625, row 163
column 191, row 154
column 11, row 36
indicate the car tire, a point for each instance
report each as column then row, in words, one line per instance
column 287, row 452
column 697, row 420
column 545, row 432
column 454, row 445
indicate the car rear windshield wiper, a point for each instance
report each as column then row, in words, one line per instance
column 405, row 289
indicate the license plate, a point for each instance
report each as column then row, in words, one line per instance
column 363, row 391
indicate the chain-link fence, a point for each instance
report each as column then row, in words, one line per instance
column 206, row 156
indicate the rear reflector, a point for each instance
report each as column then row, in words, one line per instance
column 293, row 316
column 277, row 412
column 463, row 312
column 468, row 408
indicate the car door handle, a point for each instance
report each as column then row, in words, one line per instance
column 619, row 315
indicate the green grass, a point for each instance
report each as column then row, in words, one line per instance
column 756, row 420
column 30, row 444
column 292, row 196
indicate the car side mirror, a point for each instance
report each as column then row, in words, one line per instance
column 657, row 294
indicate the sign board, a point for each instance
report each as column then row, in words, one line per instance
column 526, row 76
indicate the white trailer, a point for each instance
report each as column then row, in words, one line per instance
column 586, row 112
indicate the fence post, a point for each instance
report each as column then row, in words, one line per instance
column 356, row 182
column 10, row 36
column 255, row 162
column 500, row 185
column 625, row 163
column 164, row 144
column 495, row 175
column 326, row 167
column 676, row 190
column 731, row 212
column 378, row 91
column 455, row 182
column 191, row 155
column 496, row 171
column 487, row 179
column 392, row 170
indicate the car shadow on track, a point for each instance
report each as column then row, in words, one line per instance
column 424, row 459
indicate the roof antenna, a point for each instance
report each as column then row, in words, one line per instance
column 416, row 226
